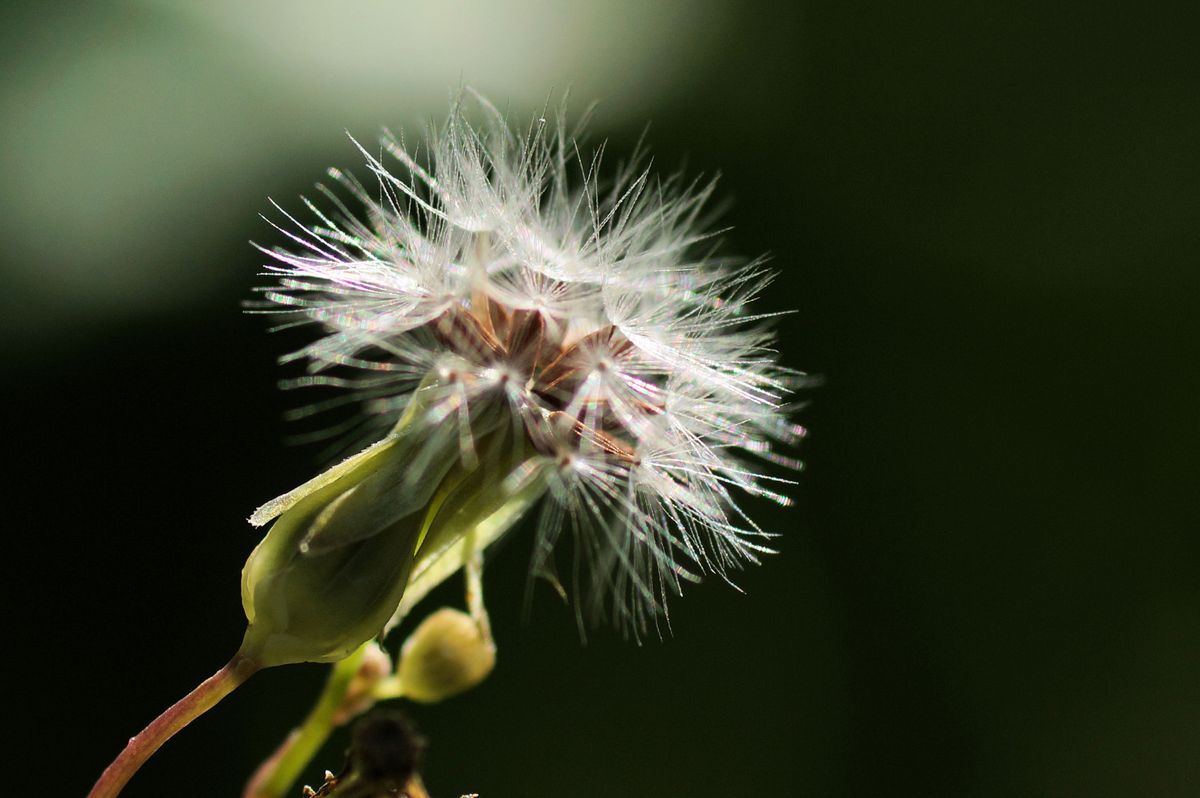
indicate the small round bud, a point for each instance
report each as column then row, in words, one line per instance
column 375, row 667
column 376, row 664
column 447, row 654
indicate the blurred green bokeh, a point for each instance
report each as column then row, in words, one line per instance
column 986, row 218
column 148, row 130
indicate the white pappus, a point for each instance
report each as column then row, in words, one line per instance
column 589, row 314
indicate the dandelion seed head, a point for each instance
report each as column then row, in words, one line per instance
column 586, row 308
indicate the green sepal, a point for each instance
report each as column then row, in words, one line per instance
column 472, row 513
column 337, row 474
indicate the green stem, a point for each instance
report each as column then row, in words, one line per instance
column 279, row 771
column 162, row 728
column 276, row 775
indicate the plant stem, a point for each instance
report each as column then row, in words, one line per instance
column 162, row 728
column 277, row 774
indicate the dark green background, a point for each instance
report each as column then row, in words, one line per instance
column 986, row 217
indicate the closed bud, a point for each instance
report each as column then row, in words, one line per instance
column 374, row 668
column 334, row 565
column 313, row 597
column 448, row 653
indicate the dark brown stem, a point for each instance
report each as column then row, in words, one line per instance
column 180, row 714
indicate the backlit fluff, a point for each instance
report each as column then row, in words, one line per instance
column 590, row 311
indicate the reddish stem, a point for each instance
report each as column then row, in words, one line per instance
column 162, row 728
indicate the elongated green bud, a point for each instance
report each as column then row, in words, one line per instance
column 334, row 565
column 400, row 515
column 332, row 568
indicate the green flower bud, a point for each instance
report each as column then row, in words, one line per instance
column 331, row 569
column 345, row 546
column 448, row 653
column 334, row 565
column 374, row 668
